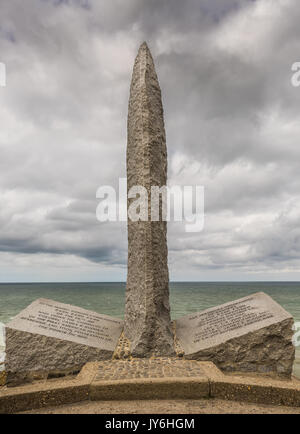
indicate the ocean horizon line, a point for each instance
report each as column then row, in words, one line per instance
column 122, row 281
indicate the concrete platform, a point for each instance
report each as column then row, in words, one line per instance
column 148, row 379
column 166, row 406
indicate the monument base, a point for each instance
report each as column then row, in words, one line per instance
column 150, row 379
column 54, row 339
column 252, row 334
column 50, row 339
column 31, row 356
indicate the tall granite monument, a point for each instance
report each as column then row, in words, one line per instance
column 147, row 311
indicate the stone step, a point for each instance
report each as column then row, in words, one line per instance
column 157, row 378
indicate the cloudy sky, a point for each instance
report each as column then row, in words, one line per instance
column 232, row 124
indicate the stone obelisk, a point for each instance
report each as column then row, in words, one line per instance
column 147, row 311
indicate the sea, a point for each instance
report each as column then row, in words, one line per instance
column 109, row 298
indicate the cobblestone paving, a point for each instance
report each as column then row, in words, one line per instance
column 161, row 367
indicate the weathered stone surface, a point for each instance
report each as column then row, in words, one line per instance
column 147, row 312
column 160, row 367
column 49, row 336
column 252, row 334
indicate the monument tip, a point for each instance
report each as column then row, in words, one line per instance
column 144, row 46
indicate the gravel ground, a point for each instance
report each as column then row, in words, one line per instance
column 184, row 406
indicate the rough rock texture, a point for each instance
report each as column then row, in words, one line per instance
column 30, row 356
column 122, row 350
column 252, row 334
column 147, row 312
column 269, row 350
column 52, row 338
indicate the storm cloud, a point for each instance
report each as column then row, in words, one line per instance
column 232, row 124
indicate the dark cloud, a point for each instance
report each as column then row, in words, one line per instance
column 232, row 122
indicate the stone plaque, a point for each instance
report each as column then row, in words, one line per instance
column 70, row 323
column 56, row 337
column 253, row 333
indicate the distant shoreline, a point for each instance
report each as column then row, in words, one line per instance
column 171, row 281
